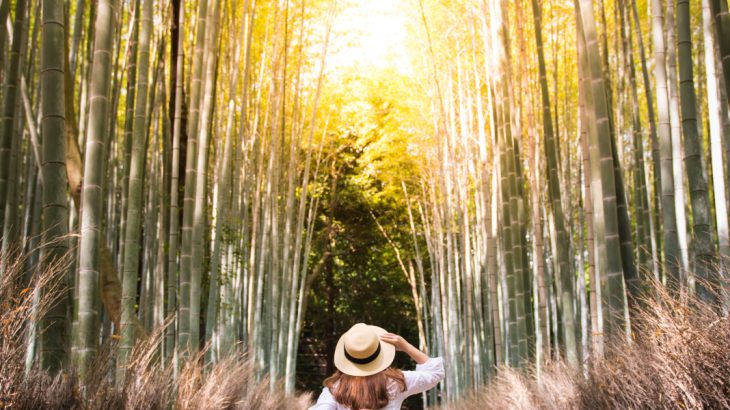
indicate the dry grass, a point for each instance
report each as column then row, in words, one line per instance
column 679, row 358
column 519, row 389
column 229, row 384
column 21, row 301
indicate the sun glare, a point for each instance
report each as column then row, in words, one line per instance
column 370, row 34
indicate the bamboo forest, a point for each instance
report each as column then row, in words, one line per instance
column 199, row 197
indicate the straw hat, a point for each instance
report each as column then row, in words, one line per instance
column 360, row 352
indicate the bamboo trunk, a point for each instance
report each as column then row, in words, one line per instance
column 130, row 271
column 705, row 255
column 54, row 339
column 172, row 262
column 9, row 146
column 185, row 343
column 200, row 208
column 716, row 135
column 92, row 195
column 566, row 277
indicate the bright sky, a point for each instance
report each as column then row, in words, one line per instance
column 370, row 34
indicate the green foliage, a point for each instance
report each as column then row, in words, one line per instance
column 363, row 281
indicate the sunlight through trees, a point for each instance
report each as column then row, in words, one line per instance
column 504, row 182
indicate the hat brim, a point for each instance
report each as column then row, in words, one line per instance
column 384, row 359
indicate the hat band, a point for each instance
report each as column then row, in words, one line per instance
column 365, row 360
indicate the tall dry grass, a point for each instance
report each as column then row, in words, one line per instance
column 679, row 358
column 229, row 384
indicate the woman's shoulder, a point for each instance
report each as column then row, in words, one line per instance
column 426, row 375
column 433, row 364
column 395, row 388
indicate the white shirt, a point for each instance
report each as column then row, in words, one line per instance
column 425, row 377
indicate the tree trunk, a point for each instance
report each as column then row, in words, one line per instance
column 642, row 208
column 92, row 195
column 184, row 342
column 200, row 209
column 54, row 337
column 722, row 26
column 716, row 134
column 222, row 212
column 669, row 222
column 606, row 217
column 13, row 202
column 704, row 247
column 130, row 271
column 172, row 268
column 551, row 159
column 677, row 157
column 8, row 120
column 656, row 154
column 129, row 118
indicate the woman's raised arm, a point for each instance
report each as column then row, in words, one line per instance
column 402, row 345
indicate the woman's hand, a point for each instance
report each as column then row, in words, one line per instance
column 400, row 343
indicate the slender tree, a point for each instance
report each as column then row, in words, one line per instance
column 701, row 232
column 642, row 211
column 201, row 185
column 213, row 319
column 716, row 133
column 4, row 12
column 172, row 268
column 130, row 271
column 722, row 26
column 92, row 194
column 677, row 156
column 54, row 337
column 131, row 97
column 606, row 216
column 8, row 120
column 551, row 158
column 184, row 342
column 13, row 202
column 669, row 222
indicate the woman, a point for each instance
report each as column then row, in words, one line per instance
column 364, row 378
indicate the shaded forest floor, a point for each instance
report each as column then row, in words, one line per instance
column 680, row 360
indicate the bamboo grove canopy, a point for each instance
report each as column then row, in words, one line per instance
column 502, row 179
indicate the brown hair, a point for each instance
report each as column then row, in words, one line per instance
column 364, row 392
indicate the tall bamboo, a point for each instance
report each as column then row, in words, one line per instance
column 54, row 338
column 13, row 201
column 722, row 26
column 172, row 268
column 222, row 204
column 716, row 133
column 642, row 211
column 551, row 158
column 200, row 208
column 7, row 121
column 92, row 194
column 677, row 157
column 656, row 151
column 669, row 222
column 601, row 143
column 132, row 50
column 4, row 12
column 298, row 285
column 184, row 341
column 130, row 271
column 701, row 232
